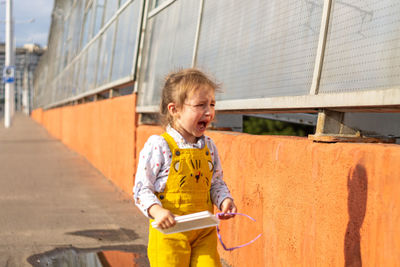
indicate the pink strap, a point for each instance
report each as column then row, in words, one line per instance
column 219, row 235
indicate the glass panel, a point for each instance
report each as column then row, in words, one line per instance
column 86, row 27
column 61, row 85
column 66, row 84
column 158, row 2
column 57, row 92
column 82, row 83
column 260, row 50
column 75, row 78
column 98, row 23
column 123, row 2
column 169, row 45
column 111, row 8
column 104, row 68
column 78, row 27
column 91, row 65
column 69, row 79
column 125, row 47
column 55, row 52
column 64, row 47
column 69, row 42
column 362, row 51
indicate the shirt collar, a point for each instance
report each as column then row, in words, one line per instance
column 181, row 142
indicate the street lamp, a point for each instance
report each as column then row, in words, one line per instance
column 9, row 65
column 8, row 74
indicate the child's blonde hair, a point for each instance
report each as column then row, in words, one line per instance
column 178, row 86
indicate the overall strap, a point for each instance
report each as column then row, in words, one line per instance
column 172, row 144
column 170, row 141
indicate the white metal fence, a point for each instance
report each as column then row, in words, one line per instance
column 269, row 55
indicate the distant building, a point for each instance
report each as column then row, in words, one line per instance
column 26, row 60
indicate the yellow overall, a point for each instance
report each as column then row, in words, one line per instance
column 187, row 191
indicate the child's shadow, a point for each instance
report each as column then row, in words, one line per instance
column 357, row 186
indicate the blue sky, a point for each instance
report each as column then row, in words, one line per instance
column 24, row 11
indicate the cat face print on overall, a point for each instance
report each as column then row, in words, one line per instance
column 196, row 113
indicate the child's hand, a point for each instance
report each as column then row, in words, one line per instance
column 163, row 217
column 227, row 206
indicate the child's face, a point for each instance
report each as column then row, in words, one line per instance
column 197, row 112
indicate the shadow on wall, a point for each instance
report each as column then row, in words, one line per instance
column 357, row 187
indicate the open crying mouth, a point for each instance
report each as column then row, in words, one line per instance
column 202, row 124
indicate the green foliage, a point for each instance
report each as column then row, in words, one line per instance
column 261, row 126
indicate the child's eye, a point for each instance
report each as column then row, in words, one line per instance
column 204, row 106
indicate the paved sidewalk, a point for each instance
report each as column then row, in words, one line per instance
column 52, row 198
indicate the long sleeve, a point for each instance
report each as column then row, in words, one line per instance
column 150, row 168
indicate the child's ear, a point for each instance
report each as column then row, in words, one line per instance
column 172, row 109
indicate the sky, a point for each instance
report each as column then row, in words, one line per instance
column 27, row 31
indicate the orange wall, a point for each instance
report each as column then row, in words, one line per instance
column 37, row 115
column 316, row 204
column 101, row 131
